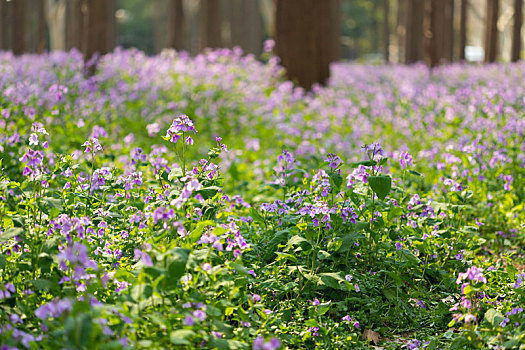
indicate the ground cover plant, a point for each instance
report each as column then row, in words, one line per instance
column 204, row 202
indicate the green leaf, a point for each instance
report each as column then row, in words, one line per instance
column 349, row 240
column 363, row 162
column 208, row 192
column 177, row 259
column 197, row 232
column 256, row 216
column 332, row 280
column 494, row 317
column 42, row 284
column 300, row 241
column 409, row 257
column 78, row 330
column 54, row 202
column 10, row 233
column 181, row 336
column 381, row 185
column 337, row 181
column 413, row 172
column 3, row 261
column 241, row 269
column 176, row 172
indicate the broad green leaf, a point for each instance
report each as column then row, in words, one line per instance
column 176, row 172
column 54, row 202
column 181, row 336
column 300, row 241
column 42, row 284
column 10, row 233
column 494, row 317
column 381, row 185
column 363, row 162
column 208, row 192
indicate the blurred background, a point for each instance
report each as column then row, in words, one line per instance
column 397, row 31
column 370, row 30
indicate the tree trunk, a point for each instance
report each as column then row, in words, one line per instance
column 96, row 33
column 441, row 31
column 491, row 31
column 237, row 23
column 414, row 39
column 18, row 40
column 56, row 21
column 176, row 24
column 210, row 24
column 5, row 25
column 41, row 27
column 401, row 29
column 375, row 27
column 386, row 30
column 252, row 38
column 307, row 38
column 516, row 31
column 158, row 28
column 463, row 29
column 74, row 24
column 112, row 24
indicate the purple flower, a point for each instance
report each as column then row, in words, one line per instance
column 200, row 315
column 260, row 344
column 188, row 321
column 144, row 257
column 315, row 302
column 399, row 245
column 180, row 125
column 92, row 145
column 473, row 273
column 405, row 159
column 7, row 291
column 53, row 309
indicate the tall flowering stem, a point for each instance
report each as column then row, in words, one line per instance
column 178, row 129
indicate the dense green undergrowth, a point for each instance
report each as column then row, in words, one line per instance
column 177, row 202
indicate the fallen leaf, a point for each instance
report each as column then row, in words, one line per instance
column 370, row 335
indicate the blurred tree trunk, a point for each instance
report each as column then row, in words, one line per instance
column 307, row 38
column 414, row 39
column 237, row 23
column 18, row 40
column 74, row 24
column 463, row 29
column 56, row 21
column 176, row 24
column 210, row 24
column 516, row 31
column 401, row 29
column 375, row 26
column 157, row 25
column 112, row 24
column 41, row 27
column 252, row 39
column 246, row 25
column 386, row 30
column 5, row 25
column 97, row 31
column 441, row 46
column 491, row 31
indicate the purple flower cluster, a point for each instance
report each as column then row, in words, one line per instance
column 54, row 309
column 179, row 127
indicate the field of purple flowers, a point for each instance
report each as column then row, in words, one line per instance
column 204, row 202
